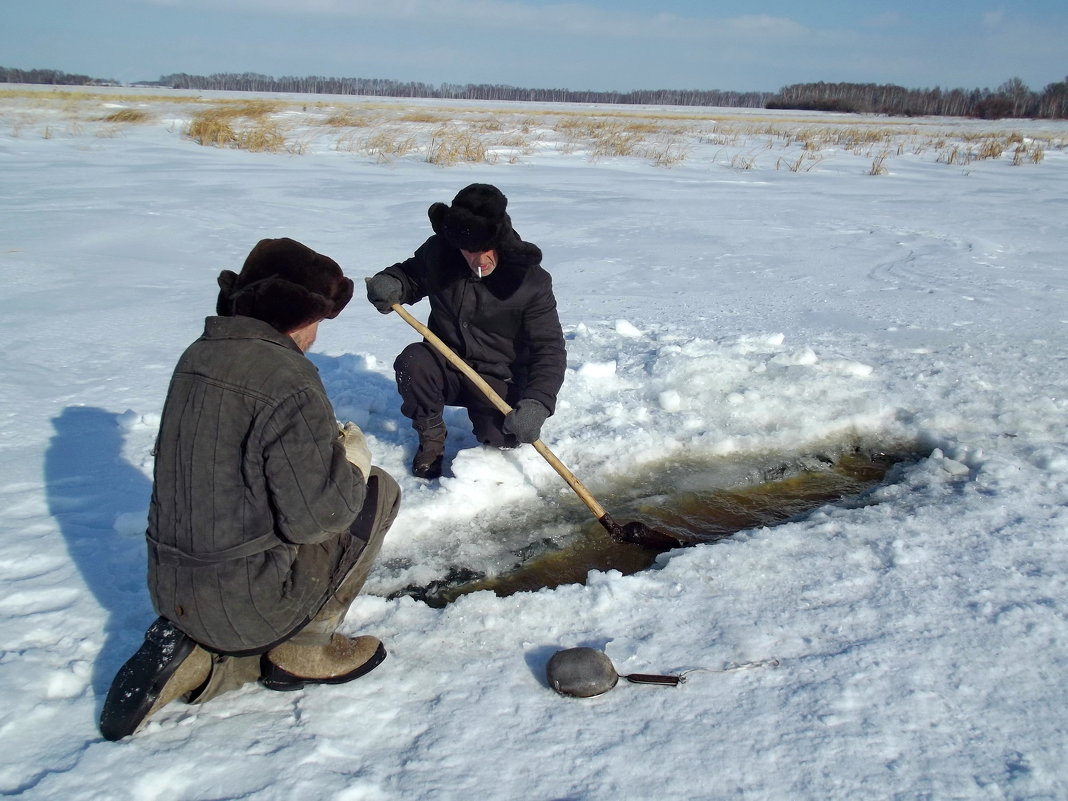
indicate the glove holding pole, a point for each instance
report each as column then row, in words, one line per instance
column 524, row 422
column 383, row 291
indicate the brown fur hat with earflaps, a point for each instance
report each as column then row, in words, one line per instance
column 286, row 284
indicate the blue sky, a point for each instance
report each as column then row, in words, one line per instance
column 589, row 44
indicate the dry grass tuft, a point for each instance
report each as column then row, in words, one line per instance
column 265, row 137
column 211, row 131
column 667, row 154
column 1024, row 153
column 487, row 125
column 249, row 109
column 451, row 145
column 128, row 115
column 954, row 154
column 878, row 166
column 992, row 148
column 389, row 144
column 606, row 136
column 351, row 119
column 805, row 162
column 742, row 161
column 617, row 141
column 218, row 126
column 420, row 116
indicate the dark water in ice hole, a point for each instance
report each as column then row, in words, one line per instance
column 692, row 500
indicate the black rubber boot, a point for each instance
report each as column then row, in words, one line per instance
column 431, row 452
column 167, row 666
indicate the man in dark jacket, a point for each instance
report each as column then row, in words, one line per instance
column 492, row 303
column 265, row 516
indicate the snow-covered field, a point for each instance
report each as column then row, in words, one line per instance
column 728, row 311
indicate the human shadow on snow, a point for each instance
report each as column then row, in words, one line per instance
column 98, row 500
column 363, row 395
column 368, row 397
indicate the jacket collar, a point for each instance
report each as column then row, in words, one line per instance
column 241, row 327
column 514, row 260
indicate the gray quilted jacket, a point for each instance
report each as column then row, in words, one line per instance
column 253, row 496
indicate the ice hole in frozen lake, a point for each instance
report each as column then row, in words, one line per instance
column 695, row 499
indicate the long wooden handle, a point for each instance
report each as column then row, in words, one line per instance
column 502, row 406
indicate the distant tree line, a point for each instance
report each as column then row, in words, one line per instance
column 1013, row 99
column 11, row 75
column 381, row 87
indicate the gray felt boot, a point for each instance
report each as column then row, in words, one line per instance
column 291, row 667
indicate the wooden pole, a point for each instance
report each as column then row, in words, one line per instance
column 504, row 408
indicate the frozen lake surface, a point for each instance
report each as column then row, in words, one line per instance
column 733, row 285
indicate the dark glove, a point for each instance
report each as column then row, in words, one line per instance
column 383, row 291
column 525, row 420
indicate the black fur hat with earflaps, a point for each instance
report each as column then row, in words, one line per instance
column 476, row 221
column 286, row 284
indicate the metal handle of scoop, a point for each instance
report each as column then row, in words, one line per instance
column 633, row 532
column 649, row 678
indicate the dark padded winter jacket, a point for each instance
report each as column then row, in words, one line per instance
column 504, row 325
column 253, row 496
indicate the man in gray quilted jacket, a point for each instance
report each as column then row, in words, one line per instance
column 266, row 515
